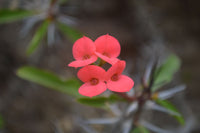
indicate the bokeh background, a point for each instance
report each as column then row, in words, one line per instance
column 143, row 27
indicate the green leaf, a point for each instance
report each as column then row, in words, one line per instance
column 165, row 72
column 50, row 80
column 40, row 33
column 171, row 107
column 95, row 101
column 7, row 15
column 140, row 129
column 70, row 32
column 99, row 101
column 1, row 122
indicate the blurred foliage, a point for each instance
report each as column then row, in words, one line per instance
column 71, row 33
column 7, row 15
column 39, row 35
column 140, row 129
column 172, row 108
column 164, row 74
column 1, row 122
column 99, row 101
column 50, row 80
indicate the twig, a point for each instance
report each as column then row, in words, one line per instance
column 51, row 14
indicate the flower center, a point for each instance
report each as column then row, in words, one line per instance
column 94, row 81
column 106, row 54
column 85, row 57
column 115, row 77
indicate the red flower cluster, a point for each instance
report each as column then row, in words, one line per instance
column 96, row 79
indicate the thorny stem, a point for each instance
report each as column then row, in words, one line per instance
column 145, row 96
column 51, row 14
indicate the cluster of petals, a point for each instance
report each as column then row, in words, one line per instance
column 85, row 51
column 96, row 79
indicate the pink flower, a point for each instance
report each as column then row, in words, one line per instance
column 83, row 51
column 116, row 81
column 107, row 48
column 93, row 78
column 97, row 80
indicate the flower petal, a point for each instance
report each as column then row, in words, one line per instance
column 107, row 59
column 83, row 47
column 81, row 63
column 86, row 73
column 92, row 90
column 108, row 45
column 123, row 84
column 117, row 68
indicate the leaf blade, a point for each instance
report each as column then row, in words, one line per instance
column 140, row 129
column 72, row 33
column 171, row 107
column 99, row 101
column 50, row 80
column 95, row 101
column 7, row 15
column 165, row 72
column 40, row 33
column 2, row 124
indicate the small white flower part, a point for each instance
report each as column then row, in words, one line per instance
column 131, row 92
column 68, row 20
column 153, row 127
column 126, row 127
column 51, row 34
column 85, row 126
column 38, row 5
column 115, row 109
column 133, row 106
column 148, row 71
column 30, row 22
column 171, row 92
column 151, row 105
column 102, row 121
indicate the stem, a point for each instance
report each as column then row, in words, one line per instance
column 146, row 94
column 51, row 9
